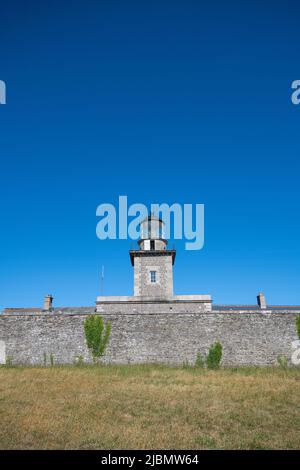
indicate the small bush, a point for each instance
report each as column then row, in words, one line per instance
column 298, row 325
column 52, row 360
column 214, row 356
column 200, row 361
column 97, row 335
column 9, row 361
column 282, row 362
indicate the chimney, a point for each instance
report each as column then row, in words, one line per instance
column 48, row 302
column 261, row 300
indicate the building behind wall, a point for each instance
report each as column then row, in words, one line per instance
column 152, row 325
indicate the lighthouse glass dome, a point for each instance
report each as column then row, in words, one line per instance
column 152, row 228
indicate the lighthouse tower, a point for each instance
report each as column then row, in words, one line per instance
column 152, row 261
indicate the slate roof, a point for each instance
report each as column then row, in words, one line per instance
column 274, row 308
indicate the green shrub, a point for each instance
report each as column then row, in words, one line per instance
column 298, row 325
column 97, row 335
column 282, row 362
column 214, row 356
column 9, row 361
column 200, row 361
column 52, row 360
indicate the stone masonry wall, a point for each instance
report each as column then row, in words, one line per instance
column 162, row 264
column 253, row 338
column 147, row 307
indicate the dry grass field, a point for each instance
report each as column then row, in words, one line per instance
column 149, row 407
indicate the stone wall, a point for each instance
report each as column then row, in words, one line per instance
column 136, row 305
column 248, row 338
column 161, row 263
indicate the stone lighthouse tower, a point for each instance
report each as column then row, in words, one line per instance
column 152, row 261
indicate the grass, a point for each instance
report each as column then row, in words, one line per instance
column 149, row 407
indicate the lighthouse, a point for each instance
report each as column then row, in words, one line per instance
column 152, row 261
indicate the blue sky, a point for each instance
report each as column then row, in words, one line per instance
column 161, row 101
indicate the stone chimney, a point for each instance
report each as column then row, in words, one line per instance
column 48, row 302
column 261, row 300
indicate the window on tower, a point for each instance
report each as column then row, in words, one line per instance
column 153, row 276
column 152, row 245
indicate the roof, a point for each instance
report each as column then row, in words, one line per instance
column 274, row 308
column 133, row 253
column 58, row 310
column 152, row 217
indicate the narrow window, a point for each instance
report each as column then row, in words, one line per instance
column 153, row 276
column 152, row 246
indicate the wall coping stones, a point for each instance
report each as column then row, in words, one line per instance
column 144, row 299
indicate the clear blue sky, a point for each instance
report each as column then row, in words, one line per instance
column 181, row 101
